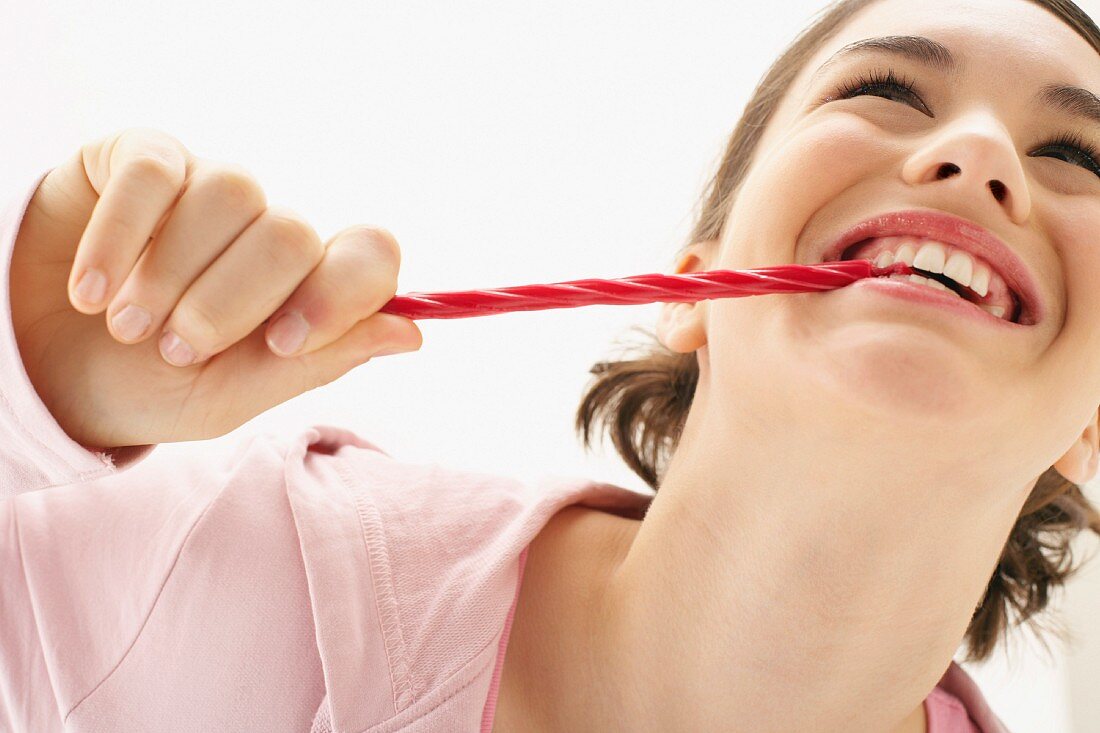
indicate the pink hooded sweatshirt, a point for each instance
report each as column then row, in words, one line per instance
column 306, row 583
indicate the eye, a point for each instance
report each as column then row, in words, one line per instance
column 887, row 84
column 1079, row 149
column 881, row 84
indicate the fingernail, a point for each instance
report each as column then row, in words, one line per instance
column 176, row 350
column 288, row 333
column 92, row 287
column 130, row 322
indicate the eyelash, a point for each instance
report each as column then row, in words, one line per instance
column 885, row 81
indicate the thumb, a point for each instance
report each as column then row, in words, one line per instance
column 404, row 335
column 378, row 335
column 283, row 378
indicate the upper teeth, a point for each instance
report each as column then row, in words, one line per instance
column 942, row 258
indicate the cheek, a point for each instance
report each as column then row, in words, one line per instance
column 803, row 171
column 1078, row 272
column 811, row 164
column 1068, row 275
column 830, row 154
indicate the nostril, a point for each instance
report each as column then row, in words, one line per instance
column 947, row 169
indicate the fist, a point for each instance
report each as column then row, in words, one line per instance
column 216, row 305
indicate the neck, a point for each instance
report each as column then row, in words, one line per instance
column 819, row 581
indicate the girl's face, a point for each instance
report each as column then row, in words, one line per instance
column 1028, row 393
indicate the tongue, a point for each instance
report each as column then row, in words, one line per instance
column 998, row 294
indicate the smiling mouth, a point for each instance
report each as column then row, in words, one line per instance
column 963, row 292
column 1008, row 306
column 924, row 279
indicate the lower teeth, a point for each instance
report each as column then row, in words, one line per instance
column 996, row 311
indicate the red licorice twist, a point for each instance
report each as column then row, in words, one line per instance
column 639, row 289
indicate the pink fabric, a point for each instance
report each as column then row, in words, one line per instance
column 947, row 714
column 957, row 705
column 307, row 582
column 494, row 684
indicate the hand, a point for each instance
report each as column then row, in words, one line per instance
column 193, row 260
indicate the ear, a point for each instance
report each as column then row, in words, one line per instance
column 1080, row 462
column 681, row 326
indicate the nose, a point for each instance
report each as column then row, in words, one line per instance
column 977, row 159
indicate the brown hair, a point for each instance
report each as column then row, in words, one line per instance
column 642, row 403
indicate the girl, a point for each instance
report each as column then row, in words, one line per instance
column 851, row 483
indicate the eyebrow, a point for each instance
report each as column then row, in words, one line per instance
column 1065, row 98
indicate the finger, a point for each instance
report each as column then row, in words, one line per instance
column 274, row 380
column 219, row 202
column 252, row 278
column 365, row 340
column 357, row 276
column 139, row 174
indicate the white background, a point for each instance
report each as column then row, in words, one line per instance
column 503, row 144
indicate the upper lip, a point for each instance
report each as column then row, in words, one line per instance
column 956, row 231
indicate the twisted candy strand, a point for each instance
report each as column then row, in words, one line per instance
column 637, row 289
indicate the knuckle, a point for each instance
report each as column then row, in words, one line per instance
column 232, row 186
column 290, row 241
column 151, row 168
column 154, row 141
column 383, row 242
column 374, row 247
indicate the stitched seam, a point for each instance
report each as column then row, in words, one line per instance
column 34, row 613
column 505, row 637
column 382, row 727
column 461, row 670
column 370, row 525
column 153, row 606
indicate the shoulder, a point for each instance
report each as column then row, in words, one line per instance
column 572, row 557
column 593, row 536
column 567, row 566
column 440, row 551
column 478, row 509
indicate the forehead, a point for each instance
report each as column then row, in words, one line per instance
column 1013, row 39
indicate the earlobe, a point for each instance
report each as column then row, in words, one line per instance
column 1079, row 463
column 681, row 326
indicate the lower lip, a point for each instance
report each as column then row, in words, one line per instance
column 916, row 293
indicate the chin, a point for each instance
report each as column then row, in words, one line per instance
column 895, row 370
